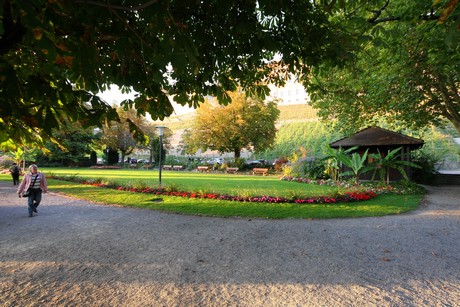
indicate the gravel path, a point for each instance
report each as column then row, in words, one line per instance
column 78, row 253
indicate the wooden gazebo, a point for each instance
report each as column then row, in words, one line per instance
column 378, row 139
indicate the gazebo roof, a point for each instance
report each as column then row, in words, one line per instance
column 375, row 136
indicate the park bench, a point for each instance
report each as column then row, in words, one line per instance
column 147, row 166
column 260, row 171
column 232, row 170
column 167, row 167
column 177, row 167
column 202, row 169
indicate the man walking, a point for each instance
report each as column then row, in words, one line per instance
column 15, row 170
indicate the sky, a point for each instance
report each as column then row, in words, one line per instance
column 292, row 93
column 115, row 96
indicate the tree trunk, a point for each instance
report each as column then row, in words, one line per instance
column 237, row 152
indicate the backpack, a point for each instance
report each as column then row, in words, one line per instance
column 15, row 169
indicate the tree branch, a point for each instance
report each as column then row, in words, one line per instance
column 378, row 13
column 118, row 7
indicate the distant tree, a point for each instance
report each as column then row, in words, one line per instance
column 245, row 123
column 152, row 145
column 118, row 135
column 189, row 147
column 73, row 147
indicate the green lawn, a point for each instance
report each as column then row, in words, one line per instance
column 207, row 182
column 222, row 183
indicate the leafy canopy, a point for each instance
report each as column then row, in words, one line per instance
column 406, row 71
column 55, row 55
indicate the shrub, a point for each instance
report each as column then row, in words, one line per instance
column 240, row 163
column 6, row 162
column 140, row 185
column 172, row 187
column 426, row 173
column 280, row 163
column 309, row 168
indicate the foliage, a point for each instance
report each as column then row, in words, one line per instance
column 280, row 163
column 391, row 160
column 291, row 136
column 298, row 112
column 18, row 155
column 302, row 166
column 399, row 187
column 291, row 166
column 424, row 174
column 315, row 135
column 314, row 169
column 357, row 164
column 173, row 190
column 56, row 54
column 247, row 122
column 153, row 143
column 6, row 162
column 406, row 69
column 333, row 160
column 73, row 148
column 381, row 205
column 194, row 181
column 118, row 134
column 238, row 162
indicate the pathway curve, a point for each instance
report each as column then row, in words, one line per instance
column 79, row 253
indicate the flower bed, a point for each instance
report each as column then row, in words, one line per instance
column 352, row 196
column 378, row 187
column 347, row 197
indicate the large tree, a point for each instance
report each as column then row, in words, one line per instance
column 245, row 123
column 407, row 71
column 57, row 55
column 74, row 149
column 118, row 136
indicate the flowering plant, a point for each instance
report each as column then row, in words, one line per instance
column 400, row 187
column 353, row 195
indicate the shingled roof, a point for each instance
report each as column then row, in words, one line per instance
column 375, row 136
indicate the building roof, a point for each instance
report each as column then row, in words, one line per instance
column 375, row 136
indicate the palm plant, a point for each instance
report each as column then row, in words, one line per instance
column 333, row 160
column 356, row 164
column 383, row 164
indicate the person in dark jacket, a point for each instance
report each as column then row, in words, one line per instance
column 15, row 170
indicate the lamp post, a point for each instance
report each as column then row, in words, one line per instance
column 160, row 130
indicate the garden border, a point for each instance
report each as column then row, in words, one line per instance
column 347, row 197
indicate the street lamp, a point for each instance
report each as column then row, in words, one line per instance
column 160, row 133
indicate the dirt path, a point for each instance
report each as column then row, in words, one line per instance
column 77, row 253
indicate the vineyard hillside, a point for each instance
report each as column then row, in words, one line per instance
column 288, row 113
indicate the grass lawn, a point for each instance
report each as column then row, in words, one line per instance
column 241, row 185
column 222, row 183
